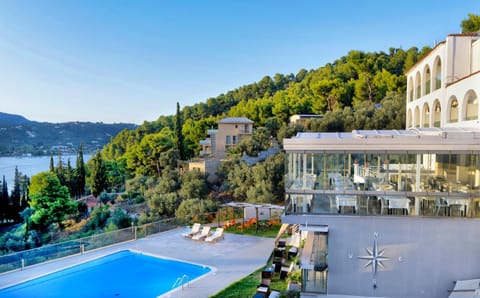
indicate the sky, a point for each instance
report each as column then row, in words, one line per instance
column 131, row 61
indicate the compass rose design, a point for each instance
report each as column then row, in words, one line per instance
column 375, row 257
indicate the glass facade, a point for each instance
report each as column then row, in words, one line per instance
column 389, row 183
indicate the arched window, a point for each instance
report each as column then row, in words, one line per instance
column 438, row 74
column 410, row 89
column 471, row 107
column 426, row 116
column 427, row 77
column 437, row 113
column 418, row 85
column 417, row 117
column 409, row 119
column 453, row 113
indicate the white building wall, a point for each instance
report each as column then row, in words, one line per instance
column 458, row 57
column 476, row 56
column 438, row 53
column 460, row 91
column 423, row 256
column 459, row 76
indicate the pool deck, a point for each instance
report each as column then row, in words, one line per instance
column 231, row 259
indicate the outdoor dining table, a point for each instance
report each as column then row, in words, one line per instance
column 346, row 201
column 395, row 202
column 382, row 186
column 448, row 202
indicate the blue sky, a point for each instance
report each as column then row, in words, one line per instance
column 131, row 61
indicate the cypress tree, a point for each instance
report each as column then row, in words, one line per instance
column 60, row 170
column 24, row 192
column 69, row 177
column 178, row 133
column 15, row 196
column 4, row 200
column 99, row 175
column 80, row 173
column 52, row 167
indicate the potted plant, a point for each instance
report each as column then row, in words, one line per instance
column 294, row 280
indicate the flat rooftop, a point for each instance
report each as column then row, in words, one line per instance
column 414, row 139
column 231, row 259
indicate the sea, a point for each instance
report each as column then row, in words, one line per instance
column 31, row 165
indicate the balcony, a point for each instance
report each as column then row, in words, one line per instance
column 204, row 152
column 206, row 142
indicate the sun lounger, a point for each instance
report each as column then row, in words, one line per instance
column 217, row 235
column 203, row 234
column 195, row 230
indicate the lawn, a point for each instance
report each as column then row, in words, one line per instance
column 261, row 231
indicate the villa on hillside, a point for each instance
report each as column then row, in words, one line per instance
column 396, row 213
column 229, row 133
column 301, row 119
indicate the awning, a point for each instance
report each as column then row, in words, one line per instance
column 321, row 229
column 280, row 233
column 259, row 205
column 466, row 289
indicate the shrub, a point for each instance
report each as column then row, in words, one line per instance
column 195, row 209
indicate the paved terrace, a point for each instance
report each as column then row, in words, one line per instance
column 231, row 259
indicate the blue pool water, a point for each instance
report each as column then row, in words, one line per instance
column 122, row 274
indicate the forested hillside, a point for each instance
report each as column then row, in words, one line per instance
column 358, row 91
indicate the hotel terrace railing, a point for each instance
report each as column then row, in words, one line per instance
column 22, row 259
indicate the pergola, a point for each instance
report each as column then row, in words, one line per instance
column 258, row 206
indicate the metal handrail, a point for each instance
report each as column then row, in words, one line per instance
column 181, row 281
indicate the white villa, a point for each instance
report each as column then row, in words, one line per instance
column 395, row 213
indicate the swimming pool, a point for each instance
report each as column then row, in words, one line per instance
column 121, row 274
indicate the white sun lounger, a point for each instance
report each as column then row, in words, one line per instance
column 217, row 235
column 203, row 234
column 195, row 230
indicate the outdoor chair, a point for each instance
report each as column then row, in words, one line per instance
column 203, row 234
column 215, row 236
column 193, row 231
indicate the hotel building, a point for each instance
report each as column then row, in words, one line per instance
column 395, row 213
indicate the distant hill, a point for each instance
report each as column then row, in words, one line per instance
column 20, row 136
column 11, row 119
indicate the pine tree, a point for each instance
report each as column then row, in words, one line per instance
column 178, row 133
column 471, row 23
